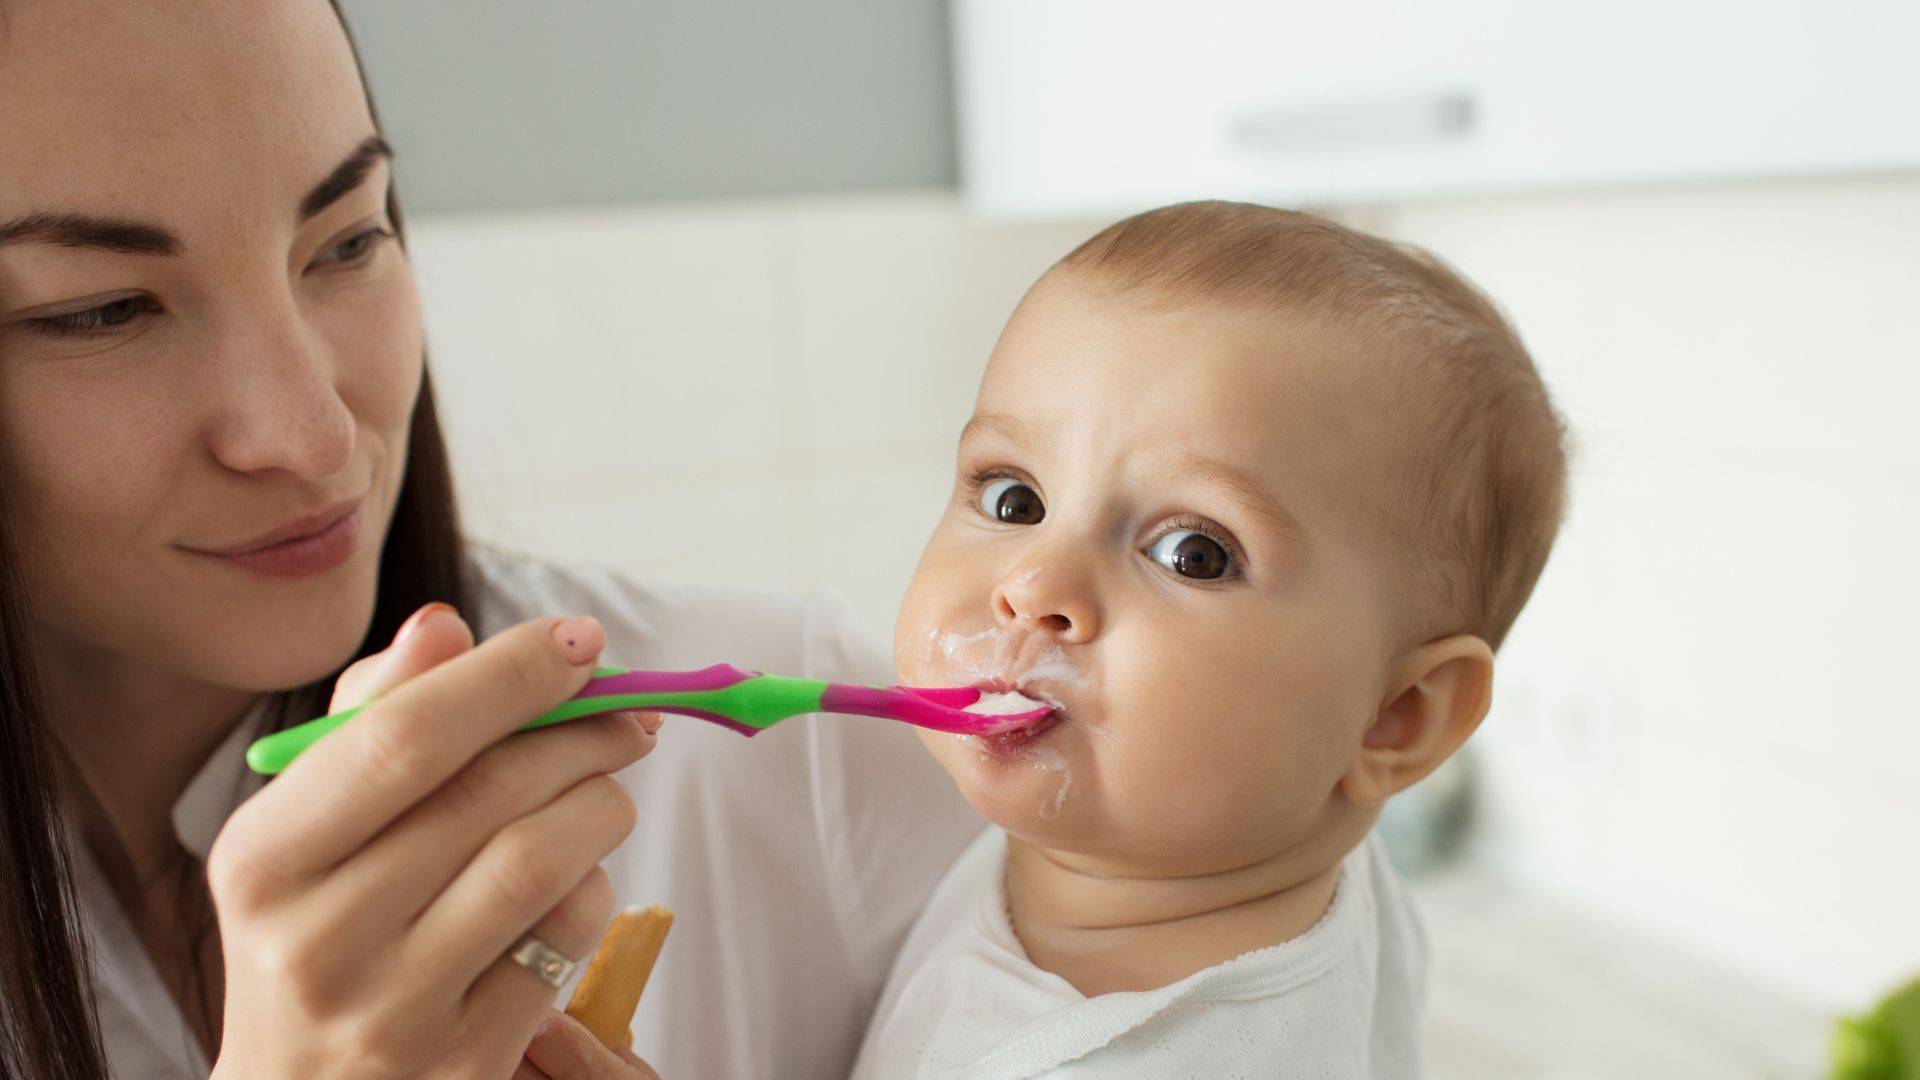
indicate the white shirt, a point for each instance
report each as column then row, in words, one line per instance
column 794, row 861
column 1340, row 1001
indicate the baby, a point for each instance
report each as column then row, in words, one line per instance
column 1250, row 499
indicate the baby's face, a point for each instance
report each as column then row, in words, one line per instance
column 1148, row 531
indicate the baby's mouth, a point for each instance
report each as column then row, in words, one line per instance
column 1013, row 743
column 1008, row 744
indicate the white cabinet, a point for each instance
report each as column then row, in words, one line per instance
column 1083, row 106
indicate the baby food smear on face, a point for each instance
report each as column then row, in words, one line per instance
column 996, row 660
column 1051, row 760
column 995, row 654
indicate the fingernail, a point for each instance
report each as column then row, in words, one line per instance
column 579, row 638
column 650, row 721
column 413, row 621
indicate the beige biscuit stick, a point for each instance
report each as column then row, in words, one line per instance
column 610, row 990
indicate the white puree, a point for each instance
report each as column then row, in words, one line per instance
column 1051, row 760
column 995, row 654
column 1004, row 704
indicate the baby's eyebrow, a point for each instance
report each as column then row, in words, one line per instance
column 1245, row 489
column 1007, row 427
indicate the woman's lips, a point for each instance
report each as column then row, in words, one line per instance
column 303, row 548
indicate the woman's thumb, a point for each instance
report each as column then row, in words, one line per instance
column 431, row 636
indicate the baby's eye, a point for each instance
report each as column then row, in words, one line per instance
column 1191, row 554
column 1010, row 501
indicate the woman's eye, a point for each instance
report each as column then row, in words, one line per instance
column 1012, row 502
column 1191, row 554
column 102, row 319
column 356, row 247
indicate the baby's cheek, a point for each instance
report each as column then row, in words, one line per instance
column 945, row 748
column 909, row 663
column 926, row 608
column 1218, row 786
column 1192, row 799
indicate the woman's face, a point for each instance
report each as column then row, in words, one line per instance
column 210, row 345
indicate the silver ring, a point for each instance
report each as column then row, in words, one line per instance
column 543, row 960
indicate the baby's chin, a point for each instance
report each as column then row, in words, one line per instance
column 1038, row 790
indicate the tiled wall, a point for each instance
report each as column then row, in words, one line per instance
column 1705, row 721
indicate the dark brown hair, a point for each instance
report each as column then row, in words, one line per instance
column 48, row 1027
column 1477, row 484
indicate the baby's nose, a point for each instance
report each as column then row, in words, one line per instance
column 1055, row 604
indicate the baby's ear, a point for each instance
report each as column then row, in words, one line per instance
column 1439, row 694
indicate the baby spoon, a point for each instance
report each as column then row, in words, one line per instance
column 746, row 701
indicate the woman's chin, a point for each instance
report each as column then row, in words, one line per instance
column 268, row 650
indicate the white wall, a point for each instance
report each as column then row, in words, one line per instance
column 761, row 393
column 1706, row 719
column 1703, row 724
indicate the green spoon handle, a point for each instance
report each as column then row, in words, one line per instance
column 741, row 700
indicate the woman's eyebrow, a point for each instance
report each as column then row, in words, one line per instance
column 136, row 238
column 346, row 176
column 80, row 230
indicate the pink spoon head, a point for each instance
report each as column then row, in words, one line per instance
column 930, row 708
column 953, row 697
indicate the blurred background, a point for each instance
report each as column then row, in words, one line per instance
column 709, row 287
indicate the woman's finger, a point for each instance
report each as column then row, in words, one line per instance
column 571, row 929
column 507, row 989
column 641, row 1070
column 392, row 880
column 351, row 784
column 580, row 919
column 523, row 873
column 434, row 634
column 564, row 1049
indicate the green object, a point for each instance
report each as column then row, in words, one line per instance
column 744, row 701
column 1882, row 1045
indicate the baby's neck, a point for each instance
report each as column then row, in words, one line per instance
column 1106, row 930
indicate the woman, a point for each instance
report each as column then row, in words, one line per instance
column 221, row 480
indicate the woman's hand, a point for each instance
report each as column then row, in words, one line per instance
column 563, row 1049
column 368, row 896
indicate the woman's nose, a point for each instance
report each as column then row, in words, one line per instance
column 279, row 408
column 1054, row 599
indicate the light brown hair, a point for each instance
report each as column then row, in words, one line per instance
column 1478, row 487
